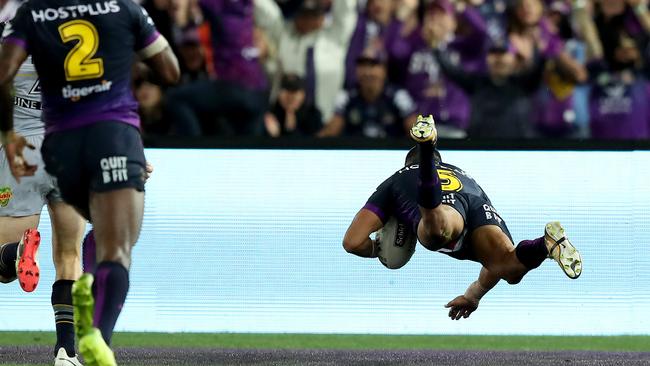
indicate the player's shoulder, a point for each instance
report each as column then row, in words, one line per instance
column 453, row 168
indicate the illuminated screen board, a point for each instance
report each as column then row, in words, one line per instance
column 250, row 241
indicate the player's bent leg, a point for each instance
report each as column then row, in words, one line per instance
column 439, row 226
column 67, row 229
column 496, row 252
column 117, row 219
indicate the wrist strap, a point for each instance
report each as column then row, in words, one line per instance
column 475, row 291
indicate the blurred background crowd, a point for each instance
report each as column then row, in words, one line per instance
column 482, row 68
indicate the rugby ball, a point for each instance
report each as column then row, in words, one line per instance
column 396, row 243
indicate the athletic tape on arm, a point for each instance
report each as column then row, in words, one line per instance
column 154, row 48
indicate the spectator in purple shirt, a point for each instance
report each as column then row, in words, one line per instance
column 433, row 93
column 560, row 106
column 384, row 26
column 618, row 70
column 238, row 96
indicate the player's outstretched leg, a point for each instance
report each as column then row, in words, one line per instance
column 554, row 244
column 429, row 187
column 91, row 344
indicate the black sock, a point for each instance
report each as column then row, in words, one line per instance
column 8, row 255
column 110, row 288
column 531, row 253
column 429, row 188
column 62, row 306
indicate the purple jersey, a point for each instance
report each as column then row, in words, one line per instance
column 471, row 46
column 555, row 108
column 83, row 51
column 367, row 35
column 432, row 92
column 618, row 104
column 400, row 44
column 236, row 58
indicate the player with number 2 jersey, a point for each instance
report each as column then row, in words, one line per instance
column 83, row 51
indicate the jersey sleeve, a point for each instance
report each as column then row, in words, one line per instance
column 16, row 30
column 380, row 201
column 148, row 41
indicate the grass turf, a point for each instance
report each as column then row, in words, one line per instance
column 332, row 341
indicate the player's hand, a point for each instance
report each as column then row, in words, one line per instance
column 14, row 152
column 148, row 169
column 461, row 307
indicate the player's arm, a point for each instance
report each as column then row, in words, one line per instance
column 11, row 57
column 357, row 238
column 152, row 47
column 165, row 65
column 464, row 305
column 367, row 221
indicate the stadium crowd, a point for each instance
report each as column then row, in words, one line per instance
column 482, row 68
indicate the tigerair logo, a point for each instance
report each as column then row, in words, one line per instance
column 74, row 94
column 5, row 196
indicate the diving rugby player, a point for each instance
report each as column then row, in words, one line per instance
column 451, row 214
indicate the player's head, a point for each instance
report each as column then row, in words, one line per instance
column 412, row 157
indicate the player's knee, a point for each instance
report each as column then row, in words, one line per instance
column 509, row 274
column 513, row 278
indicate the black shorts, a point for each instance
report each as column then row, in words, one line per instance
column 477, row 212
column 101, row 157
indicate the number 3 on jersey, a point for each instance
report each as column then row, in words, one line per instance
column 80, row 64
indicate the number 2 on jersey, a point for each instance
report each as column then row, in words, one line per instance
column 79, row 63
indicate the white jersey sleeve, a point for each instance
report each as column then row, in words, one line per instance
column 27, row 101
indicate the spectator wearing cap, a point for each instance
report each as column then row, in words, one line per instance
column 239, row 94
column 311, row 48
column 618, row 70
column 371, row 109
column 291, row 115
column 433, row 93
column 192, row 57
column 501, row 98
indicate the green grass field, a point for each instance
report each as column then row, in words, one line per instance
column 300, row 341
